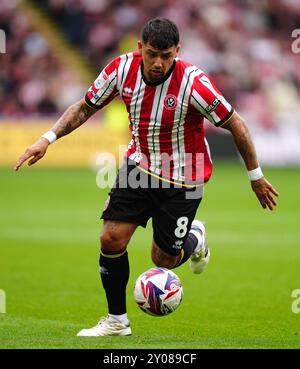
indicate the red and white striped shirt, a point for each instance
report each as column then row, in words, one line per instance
column 166, row 118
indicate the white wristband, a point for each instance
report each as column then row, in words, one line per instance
column 50, row 136
column 255, row 174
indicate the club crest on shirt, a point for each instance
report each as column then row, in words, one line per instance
column 170, row 102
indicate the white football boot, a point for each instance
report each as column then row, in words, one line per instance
column 106, row 327
column 200, row 257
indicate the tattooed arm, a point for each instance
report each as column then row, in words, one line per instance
column 72, row 118
column 262, row 188
column 242, row 139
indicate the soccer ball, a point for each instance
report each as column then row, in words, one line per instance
column 158, row 291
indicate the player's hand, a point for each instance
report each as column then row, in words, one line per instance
column 35, row 151
column 265, row 193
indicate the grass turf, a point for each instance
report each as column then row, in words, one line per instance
column 49, row 266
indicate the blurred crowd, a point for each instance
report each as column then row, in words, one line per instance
column 33, row 78
column 244, row 45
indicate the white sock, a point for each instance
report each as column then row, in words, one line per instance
column 199, row 237
column 118, row 318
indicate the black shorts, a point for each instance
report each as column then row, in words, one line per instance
column 172, row 209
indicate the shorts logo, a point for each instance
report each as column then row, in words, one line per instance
column 177, row 244
column 170, row 102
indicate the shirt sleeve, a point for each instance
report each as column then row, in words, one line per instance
column 208, row 100
column 104, row 88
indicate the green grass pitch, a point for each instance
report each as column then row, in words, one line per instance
column 49, row 230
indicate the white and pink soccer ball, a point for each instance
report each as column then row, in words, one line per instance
column 158, row 291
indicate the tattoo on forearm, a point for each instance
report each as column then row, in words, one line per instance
column 245, row 146
column 72, row 118
column 243, row 140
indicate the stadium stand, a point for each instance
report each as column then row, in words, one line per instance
column 245, row 46
column 36, row 77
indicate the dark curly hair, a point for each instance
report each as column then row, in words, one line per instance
column 160, row 33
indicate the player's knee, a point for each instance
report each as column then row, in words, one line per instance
column 111, row 241
column 161, row 258
column 163, row 263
